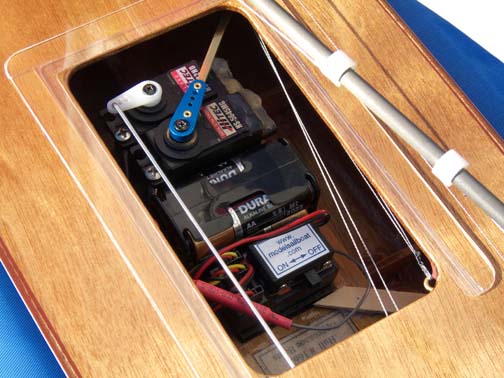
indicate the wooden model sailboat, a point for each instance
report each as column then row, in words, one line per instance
column 109, row 292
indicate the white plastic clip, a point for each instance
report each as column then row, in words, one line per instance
column 448, row 166
column 147, row 93
column 335, row 66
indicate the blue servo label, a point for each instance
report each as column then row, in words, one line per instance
column 292, row 250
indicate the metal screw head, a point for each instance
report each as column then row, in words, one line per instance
column 149, row 89
column 151, row 173
column 283, row 289
column 181, row 125
column 122, row 134
column 327, row 264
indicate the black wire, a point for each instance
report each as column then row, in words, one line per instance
column 354, row 310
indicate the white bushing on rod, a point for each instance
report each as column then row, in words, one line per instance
column 448, row 166
column 335, row 66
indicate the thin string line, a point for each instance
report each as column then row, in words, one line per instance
column 310, row 14
column 289, row 40
column 331, row 185
column 107, row 230
column 207, row 241
column 292, row 106
column 473, row 221
column 393, row 219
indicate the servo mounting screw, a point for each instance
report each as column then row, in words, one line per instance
column 327, row 264
column 122, row 134
column 181, row 125
column 149, row 89
column 151, row 173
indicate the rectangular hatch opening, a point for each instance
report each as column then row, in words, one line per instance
column 246, row 171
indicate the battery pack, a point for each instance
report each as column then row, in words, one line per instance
column 255, row 191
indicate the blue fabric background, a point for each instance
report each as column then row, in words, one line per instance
column 479, row 74
column 23, row 351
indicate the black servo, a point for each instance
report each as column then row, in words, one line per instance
column 231, row 119
column 255, row 191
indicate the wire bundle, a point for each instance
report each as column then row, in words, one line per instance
column 205, row 276
column 209, row 271
column 318, row 217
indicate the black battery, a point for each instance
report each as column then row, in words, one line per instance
column 252, row 192
column 231, row 119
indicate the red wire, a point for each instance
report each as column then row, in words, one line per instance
column 247, row 275
column 237, row 303
column 434, row 271
column 221, row 272
column 278, row 231
column 251, row 239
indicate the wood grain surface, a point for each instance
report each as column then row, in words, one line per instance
column 107, row 289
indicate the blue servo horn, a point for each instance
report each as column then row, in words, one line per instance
column 183, row 123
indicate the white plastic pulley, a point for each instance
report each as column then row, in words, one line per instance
column 448, row 166
column 335, row 66
column 147, row 93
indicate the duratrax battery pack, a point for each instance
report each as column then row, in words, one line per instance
column 256, row 190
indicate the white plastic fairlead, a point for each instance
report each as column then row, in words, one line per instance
column 448, row 166
column 147, row 93
column 335, row 66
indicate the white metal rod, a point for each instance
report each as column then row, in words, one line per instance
column 304, row 41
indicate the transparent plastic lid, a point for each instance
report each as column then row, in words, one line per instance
column 111, row 55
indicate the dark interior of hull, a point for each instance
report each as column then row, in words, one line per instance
column 99, row 81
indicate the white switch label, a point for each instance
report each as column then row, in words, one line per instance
column 292, row 250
